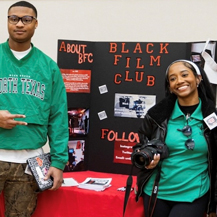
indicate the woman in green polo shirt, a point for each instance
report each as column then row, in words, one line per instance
column 186, row 186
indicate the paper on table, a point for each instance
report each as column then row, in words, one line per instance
column 69, row 182
column 97, row 184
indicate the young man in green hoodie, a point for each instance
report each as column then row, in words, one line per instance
column 33, row 107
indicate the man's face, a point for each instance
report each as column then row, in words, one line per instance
column 19, row 32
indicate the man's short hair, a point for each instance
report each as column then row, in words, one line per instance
column 24, row 4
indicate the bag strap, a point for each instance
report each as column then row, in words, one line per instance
column 153, row 198
column 128, row 189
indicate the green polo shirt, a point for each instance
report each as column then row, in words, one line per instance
column 184, row 174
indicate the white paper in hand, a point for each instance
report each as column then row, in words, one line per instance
column 210, row 66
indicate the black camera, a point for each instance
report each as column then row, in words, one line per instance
column 146, row 153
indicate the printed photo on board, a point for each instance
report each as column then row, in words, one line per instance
column 132, row 105
column 78, row 122
column 76, row 156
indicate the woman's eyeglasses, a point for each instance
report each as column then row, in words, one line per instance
column 187, row 131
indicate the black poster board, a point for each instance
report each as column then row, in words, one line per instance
column 122, row 69
column 77, row 55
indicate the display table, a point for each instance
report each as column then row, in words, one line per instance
column 73, row 201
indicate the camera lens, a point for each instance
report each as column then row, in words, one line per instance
column 142, row 158
column 144, row 154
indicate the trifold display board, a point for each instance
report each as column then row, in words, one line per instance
column 110, row 86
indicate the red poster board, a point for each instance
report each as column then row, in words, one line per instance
column 123, row 151
column 76, row 80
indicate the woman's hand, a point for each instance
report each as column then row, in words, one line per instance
column 212, row 214
column 154, row 163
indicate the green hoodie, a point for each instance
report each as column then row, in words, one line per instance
column 33, row 86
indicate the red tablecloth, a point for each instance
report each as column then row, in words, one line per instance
column 72, row 201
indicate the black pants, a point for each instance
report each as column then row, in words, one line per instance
column 165, row 208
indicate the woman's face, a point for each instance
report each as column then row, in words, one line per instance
column 182, row 81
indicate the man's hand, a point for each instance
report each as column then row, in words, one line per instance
column 7, row 120
column 57, row 175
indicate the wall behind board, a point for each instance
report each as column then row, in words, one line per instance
column 118, row 20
